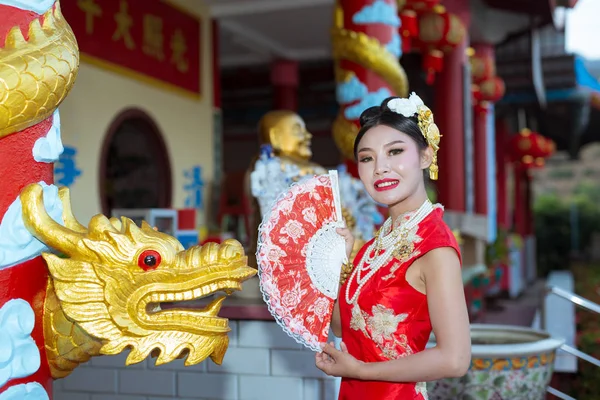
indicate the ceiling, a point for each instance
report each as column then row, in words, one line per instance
column 256, row 31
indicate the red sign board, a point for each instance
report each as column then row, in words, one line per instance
column 149, row 39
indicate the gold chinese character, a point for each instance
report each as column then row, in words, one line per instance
column 153, row 36
column 178, row 47
column 124, row 22
column 91, row 10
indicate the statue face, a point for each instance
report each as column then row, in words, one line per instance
column 291, row 138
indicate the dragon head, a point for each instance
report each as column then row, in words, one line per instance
column 112, row 277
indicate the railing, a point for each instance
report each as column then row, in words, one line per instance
column 581, row 302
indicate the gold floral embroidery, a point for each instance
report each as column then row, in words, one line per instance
column 405, row 250
column 381, row 328
column 357, row 322
column 383, row 324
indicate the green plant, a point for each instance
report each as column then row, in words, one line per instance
column 553, row 233
column 497, row 252
column 587, row 284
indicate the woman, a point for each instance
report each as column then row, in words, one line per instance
column 407, row 280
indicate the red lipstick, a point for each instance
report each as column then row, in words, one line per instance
column 386, row 184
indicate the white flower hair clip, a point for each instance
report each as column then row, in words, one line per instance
column 415, row 106
column 407, row 107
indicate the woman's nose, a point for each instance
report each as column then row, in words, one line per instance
column 381, row 166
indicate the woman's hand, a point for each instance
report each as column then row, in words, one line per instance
column 336, row 362
column 348, row 238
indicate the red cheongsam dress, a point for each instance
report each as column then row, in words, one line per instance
column 390, row 319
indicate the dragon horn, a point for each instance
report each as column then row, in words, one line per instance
column 42, row 226
column 70, row 220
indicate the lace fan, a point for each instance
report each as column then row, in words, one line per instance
column 300, row 256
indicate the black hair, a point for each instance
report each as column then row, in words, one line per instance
column 382, row 115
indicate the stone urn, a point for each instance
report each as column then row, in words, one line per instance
column 508, row 363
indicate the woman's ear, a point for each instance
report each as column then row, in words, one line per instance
column 426, row 157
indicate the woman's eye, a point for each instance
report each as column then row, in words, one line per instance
column 365, row 159
column 395, row 152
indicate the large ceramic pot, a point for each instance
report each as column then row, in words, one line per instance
column 508, row 363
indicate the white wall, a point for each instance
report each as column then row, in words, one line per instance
column 100, row 95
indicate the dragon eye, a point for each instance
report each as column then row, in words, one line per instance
column 149, row 259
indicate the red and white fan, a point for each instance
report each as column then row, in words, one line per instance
column 300, row 256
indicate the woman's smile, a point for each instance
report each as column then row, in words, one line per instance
column 386, row 184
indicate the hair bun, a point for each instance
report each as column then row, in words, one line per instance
column 369, row 114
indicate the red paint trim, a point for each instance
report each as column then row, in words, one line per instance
column 17, row 166
column 153, row 134
column 28, row 281
column 11, row 17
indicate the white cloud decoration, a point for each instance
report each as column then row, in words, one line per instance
column 19, row 355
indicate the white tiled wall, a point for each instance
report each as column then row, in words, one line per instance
column 262, row 363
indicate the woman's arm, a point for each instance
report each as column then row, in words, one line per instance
column 451, row 357
column 336, row 323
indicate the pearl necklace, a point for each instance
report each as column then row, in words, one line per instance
column 373, row 258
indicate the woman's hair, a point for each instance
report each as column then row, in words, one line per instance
column 382, row 115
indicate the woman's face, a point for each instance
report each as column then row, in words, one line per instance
column 390, row 165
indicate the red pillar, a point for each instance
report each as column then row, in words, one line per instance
column 285, row 78
column 480, row 154
column 480, row 145
column 449, row 112
column 501, row 151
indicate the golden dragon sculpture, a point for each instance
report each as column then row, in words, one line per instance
column 70, row 292
column 108, row 284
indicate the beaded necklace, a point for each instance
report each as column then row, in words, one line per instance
column 384, row 247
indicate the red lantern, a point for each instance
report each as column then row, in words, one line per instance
column 482, row 68
column 476, row 96
column 441, row 30
column 528, row 149
column 492, row 89
column 409, row 28
column 433, row 63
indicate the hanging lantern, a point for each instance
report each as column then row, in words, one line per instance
column 528, row 149
column 441, row 30
column 409, row 28
column 492, row 89
column 482, row 68
column 433, row 63
column 476, row 95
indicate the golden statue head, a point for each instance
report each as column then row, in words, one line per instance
column 286, row 132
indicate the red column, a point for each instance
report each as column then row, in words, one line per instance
column 448, row 111
column 26, row 280
column 480, row 155
column 285, row 78
column 480, row 145
column 501, row 150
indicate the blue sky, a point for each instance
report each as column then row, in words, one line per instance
column 583, row 29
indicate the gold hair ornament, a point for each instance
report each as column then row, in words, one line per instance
column 414, row 105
